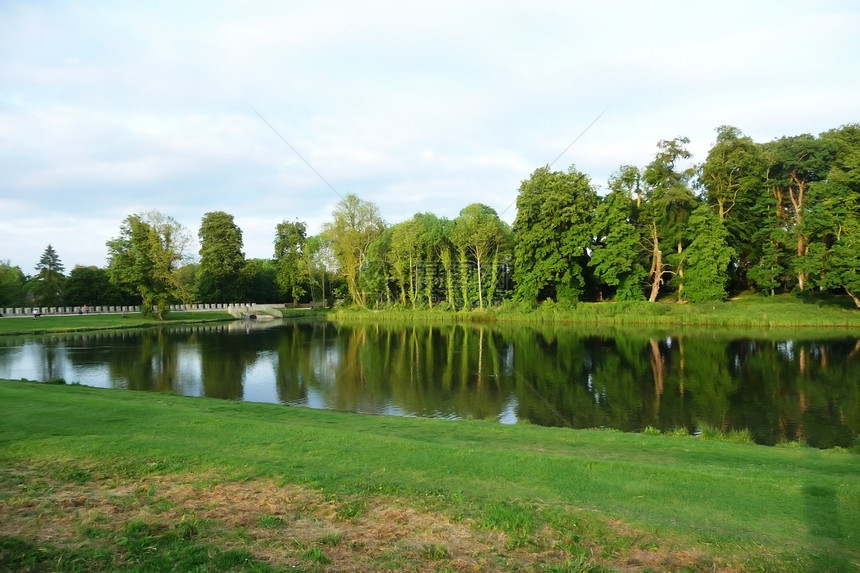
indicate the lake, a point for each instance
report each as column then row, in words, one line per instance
column 780, row 386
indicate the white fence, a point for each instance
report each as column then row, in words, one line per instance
column 236, row 309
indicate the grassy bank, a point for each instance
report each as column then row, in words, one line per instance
column 791, row 312
column 115, row 480
column 72, row 323
column 748, row 311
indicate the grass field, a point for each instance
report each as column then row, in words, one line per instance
column 71, row 323
column 103, row 480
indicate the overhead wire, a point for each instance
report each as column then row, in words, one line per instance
column 330, row 186
column 559, row 156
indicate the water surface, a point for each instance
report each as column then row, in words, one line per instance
column 780, row 388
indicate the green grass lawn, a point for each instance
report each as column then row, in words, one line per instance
column 92, row 478
column 71, row 323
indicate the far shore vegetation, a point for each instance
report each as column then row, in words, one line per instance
column 751, row 311
column 105, row 480
column 788, row 311
column 770, row 218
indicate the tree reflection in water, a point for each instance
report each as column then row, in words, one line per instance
column 778, row 388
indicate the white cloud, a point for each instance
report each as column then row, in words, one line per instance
column 109, row 109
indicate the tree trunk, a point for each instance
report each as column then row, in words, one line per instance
column 680, row 272
column 656, row 265
column 854, row 297
column 658, row 370
column 801, row 275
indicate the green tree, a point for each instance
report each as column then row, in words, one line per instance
column 90, row 285
column 434, row 243
column 794, row 164
column 669, row 202
column 315, row 254
column 47, row 285
column 844, row 271
column 415, row 250
column 552, row 234
column 185, row 278
column 263, row 287
column 615, row 256
column 356, row 224
column 707, row 257
column 480, row 235
column 293, row 271
column 379, row 275
column 13, row 283
column 404, row 255
column 732, row 177
column 769, row 271
column 222, row 275
column 836, row 210
column 145, row 257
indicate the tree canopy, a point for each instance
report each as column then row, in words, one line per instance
column 145, row 257
column 222, row 275
column 48, row 282
column 355, row 224
column 779, row 216
column 553, row 235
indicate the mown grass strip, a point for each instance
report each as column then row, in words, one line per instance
column 108, row 321
column 602, row 496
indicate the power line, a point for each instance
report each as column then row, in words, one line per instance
column 577, row 138
column 298, row 154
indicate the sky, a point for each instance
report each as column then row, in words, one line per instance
column 274, row 111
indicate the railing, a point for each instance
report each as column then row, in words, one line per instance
column 236, row 309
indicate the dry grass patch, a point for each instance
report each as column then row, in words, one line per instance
column 289, row 527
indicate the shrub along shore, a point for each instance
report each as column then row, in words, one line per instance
column 105, row 480
column 750, row 311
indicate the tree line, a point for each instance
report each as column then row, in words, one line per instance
column 774, row 217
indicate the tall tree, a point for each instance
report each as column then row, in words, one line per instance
column 434, row 242
column 405, row 255
column 669, row 204
column 795, row 163
column 49, row 279
column 223, row 274
column 836, row 210
column 615, row 255
column 480, row 235
column 145, row 257
column 293, row 271
column 381, row 270
column 356, row 224
column 552, row 235
column 733, row 176
column 707, row 257
column 415, row 250
column 315, row 254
